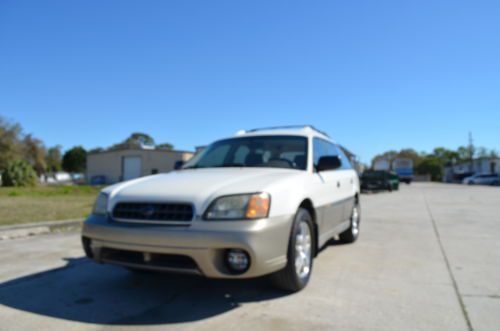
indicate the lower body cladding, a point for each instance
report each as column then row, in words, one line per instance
column 215, row 249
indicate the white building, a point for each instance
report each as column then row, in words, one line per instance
column 478, row 166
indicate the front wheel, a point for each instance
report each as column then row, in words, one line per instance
column 295, row 276
column 350, row 235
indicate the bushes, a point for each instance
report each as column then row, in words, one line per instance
column 431, row 165
column 19, row 173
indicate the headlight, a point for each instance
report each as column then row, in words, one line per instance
column 242, row 206
column 101, row 204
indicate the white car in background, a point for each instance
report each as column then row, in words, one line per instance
column 482, row 179
column 262, row 202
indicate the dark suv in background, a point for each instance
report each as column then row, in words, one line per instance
column 379, row 180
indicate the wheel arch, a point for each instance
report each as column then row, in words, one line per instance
column 308, row 205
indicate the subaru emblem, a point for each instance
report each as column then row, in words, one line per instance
column 148, row 211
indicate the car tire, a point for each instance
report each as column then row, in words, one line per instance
column 351, row 235
column 389, row 187
column 297, row 272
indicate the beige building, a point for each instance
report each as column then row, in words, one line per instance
column 110, row 167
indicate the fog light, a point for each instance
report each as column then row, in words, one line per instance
column 237, row 261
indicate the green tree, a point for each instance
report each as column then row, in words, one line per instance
column 464, row 153
column 141, row 138
column 96, row 150
column 34, row 153
column 135, row 141
column 75, row 159
column 19, row 173
column 446, row 156
column 482, row 152
column 431, row 165
column 165, row 146
column 53, row 159
column 10, row 142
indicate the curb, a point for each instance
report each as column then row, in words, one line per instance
column 32, row 229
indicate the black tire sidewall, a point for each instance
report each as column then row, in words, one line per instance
column 348, row 236
column 301, row 216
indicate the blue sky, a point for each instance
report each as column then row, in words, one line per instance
column 376, row 75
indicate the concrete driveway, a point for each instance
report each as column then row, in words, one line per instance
column 428, row 258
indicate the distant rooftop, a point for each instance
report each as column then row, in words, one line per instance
column 140, row 149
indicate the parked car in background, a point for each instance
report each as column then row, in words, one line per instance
column 262, row 202
column 98, row 180
column 482, row 179
column 78, row 178
column 379, row 180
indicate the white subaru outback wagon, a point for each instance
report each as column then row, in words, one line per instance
column 262, row 202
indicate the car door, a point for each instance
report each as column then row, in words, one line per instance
column 346, row 179
column 329, row 190
column 481, row 179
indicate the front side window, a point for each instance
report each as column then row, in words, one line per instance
column 258, row 151
column 318, row 151
column 325, row 148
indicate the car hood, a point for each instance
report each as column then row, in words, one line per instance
column 199, row 186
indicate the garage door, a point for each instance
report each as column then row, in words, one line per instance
column 132, row 167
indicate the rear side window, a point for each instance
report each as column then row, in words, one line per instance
column 319, row 150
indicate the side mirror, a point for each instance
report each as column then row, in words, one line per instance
column 178, row 164
column 328, row 163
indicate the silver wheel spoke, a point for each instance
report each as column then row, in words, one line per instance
column 355, row 221
column 303, row 250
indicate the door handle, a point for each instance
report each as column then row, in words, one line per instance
column 338, row 184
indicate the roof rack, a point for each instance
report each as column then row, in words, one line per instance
column 289, row 127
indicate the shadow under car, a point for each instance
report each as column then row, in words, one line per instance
column 88, row 292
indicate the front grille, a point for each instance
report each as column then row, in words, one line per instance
column 174, row 212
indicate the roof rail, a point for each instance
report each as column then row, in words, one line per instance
column 289, row 127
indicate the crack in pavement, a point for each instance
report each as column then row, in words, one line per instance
column 448, row 266
column 489, row 296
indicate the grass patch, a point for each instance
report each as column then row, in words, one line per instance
column 45, row 203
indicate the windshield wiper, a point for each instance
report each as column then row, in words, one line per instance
column 190, row 167
column 225, row 165
column 228, row 165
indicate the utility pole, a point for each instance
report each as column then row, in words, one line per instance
column 471, row 152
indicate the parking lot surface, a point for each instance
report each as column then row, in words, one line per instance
column 428, row 258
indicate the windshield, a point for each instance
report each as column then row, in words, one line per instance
column 259, row 151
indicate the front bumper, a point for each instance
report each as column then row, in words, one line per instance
column 203, row 242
